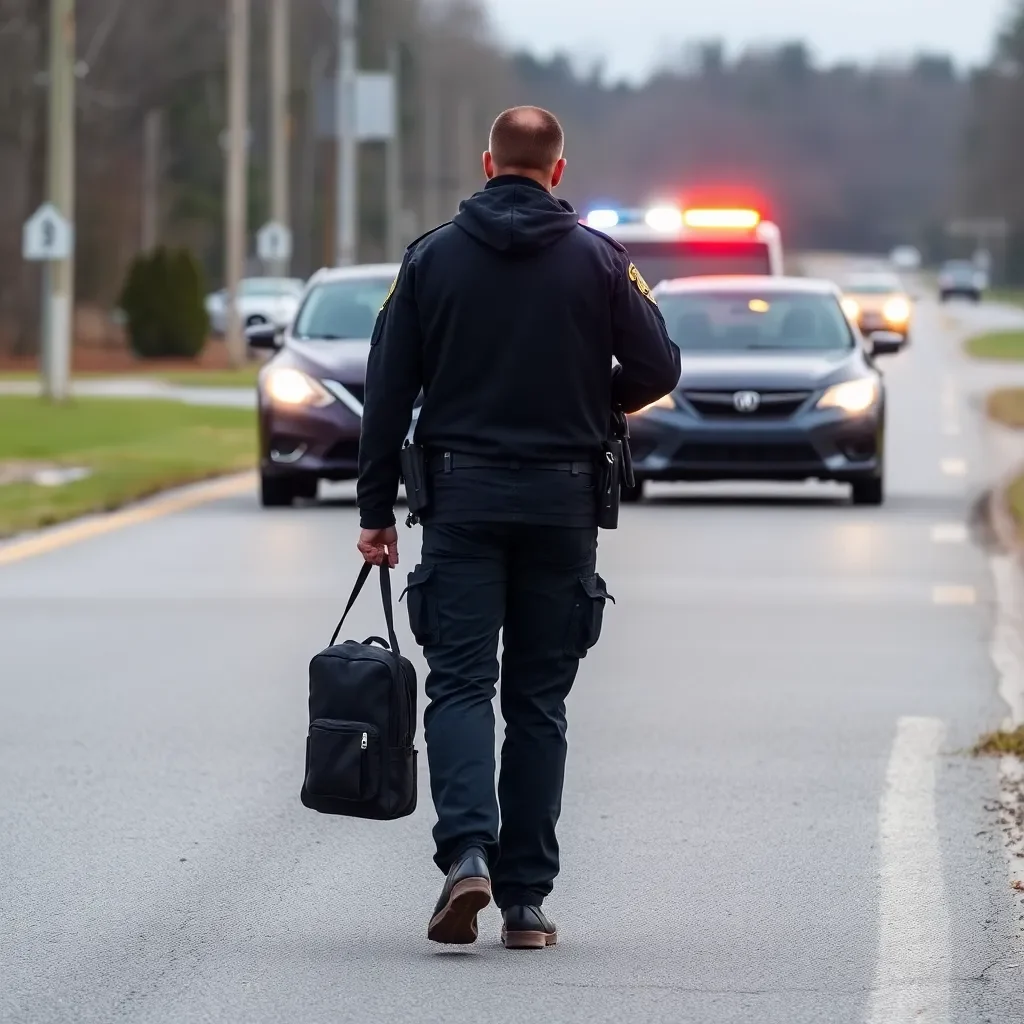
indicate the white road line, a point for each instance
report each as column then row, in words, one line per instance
column 953, row 467
column 1008, row 657
column 949, row 593
column 912, row 976
column 949, row 533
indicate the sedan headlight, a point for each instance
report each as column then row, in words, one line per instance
column 293, row 387
column 851, row 396
column 896, row 311
column 851, row 307
column 666, row 402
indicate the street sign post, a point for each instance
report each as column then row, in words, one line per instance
column 274, row 244
column 47, row 236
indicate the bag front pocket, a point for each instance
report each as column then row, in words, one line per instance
column 343, row 760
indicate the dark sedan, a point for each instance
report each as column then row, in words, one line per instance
column 776, row 384
column 311, row 389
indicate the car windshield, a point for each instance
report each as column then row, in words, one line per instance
column 664, row 261
column 960, row 270
column 338, row 310
column 742, row 321
column 872, row 285
column 270, row 287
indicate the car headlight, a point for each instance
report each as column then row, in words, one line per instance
column 851, row 396
column 293, row 387
column 851, row 307
column 665, row 402
column 896, row 311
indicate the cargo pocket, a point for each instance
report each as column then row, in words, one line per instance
column 587, row 615
column 422, row 606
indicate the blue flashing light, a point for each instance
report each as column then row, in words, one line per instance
column 603, row 219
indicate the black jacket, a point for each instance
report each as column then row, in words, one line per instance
column 508, row 319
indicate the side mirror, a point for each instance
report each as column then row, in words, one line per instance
column 263, row 336
column 885, row 343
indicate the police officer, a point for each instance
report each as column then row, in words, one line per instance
column 507, row 318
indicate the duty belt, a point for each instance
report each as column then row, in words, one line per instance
column 450, row 461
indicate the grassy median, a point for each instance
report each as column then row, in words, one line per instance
column 132, row 449
column 1004, row 345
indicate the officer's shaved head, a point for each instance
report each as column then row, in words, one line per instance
column 527, row 140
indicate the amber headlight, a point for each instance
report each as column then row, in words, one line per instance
column 665, row 402
column 896, row 311
column 293, row 387
column 851, row 396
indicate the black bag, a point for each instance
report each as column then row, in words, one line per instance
column 360, row 759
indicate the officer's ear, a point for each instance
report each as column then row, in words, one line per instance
column 488, row 165
column 556, row 174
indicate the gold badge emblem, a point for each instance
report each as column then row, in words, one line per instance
column 637, row 278
column 391, row 291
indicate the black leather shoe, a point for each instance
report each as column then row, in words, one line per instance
column 467, row 890
column 527, row 928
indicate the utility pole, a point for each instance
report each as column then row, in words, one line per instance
column 348, row 151
column 235, row 207
column 152, row 143
column 394, row 162
column 279, row 121
column 61, row 189
column 431, row 152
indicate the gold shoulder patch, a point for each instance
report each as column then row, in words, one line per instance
column 642, row 287
column 391, row 291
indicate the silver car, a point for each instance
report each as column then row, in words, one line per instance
column 261, row 300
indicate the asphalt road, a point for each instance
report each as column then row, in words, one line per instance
column 769, row 816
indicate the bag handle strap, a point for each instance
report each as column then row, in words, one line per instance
column 385, row 593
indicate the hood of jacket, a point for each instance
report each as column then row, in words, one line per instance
column 516, row 215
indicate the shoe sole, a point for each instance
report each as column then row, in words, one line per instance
column 455, row 923
column 528, row 940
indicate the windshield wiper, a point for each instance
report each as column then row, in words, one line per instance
column 325, row 337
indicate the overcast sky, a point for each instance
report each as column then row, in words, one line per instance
column 634, row 34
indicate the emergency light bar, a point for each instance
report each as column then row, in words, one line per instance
column 670, row 219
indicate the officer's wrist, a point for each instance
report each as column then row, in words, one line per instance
column 376, row 518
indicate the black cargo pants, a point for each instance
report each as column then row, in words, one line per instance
column 538, row 584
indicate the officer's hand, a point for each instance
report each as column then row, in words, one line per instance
column 376, row 545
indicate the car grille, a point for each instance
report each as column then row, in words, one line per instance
column 719, row 404
column 787, row 454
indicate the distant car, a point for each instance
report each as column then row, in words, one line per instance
column 878, row 302
column 310, row 391
column 776, row 384
column 261, row 300
column 961, row 278
column 905, row 257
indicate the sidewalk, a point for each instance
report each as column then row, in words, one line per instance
column 234, row 397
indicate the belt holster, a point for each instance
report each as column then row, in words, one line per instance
column 414, row 475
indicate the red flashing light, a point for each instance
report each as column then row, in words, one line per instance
column 733, row 219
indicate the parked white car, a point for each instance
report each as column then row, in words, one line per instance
column 261, row 300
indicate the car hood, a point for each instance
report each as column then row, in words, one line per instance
column 339, row 360
column 765, row 370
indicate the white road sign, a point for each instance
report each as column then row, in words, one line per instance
column 47, row 235
column 274, row 242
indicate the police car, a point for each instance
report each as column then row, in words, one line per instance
column 669, row 242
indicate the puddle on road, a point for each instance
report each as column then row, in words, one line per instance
column 43, row 474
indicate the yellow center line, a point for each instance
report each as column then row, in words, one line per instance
column 85, row 529
column 951, row 594
column 954, row 467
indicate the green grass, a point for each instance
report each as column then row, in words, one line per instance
column 134, row 448
column 1005, row 345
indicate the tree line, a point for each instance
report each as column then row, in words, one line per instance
column 845, row 156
